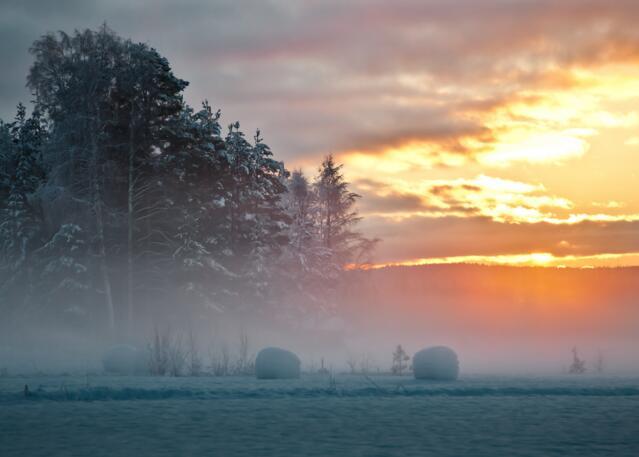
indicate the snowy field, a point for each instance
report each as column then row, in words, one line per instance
column 316, row 416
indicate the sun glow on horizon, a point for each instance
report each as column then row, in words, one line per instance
column 533, row 259
column 557, row 151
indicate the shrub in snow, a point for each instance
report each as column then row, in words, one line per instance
column 438, row 362
column 124, row 359
column 276, row 363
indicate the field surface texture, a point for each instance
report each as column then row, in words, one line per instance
column 319, row 416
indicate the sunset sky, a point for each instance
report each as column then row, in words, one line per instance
column 501, row 132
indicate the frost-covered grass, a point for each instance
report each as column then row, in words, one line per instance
column 317, row 415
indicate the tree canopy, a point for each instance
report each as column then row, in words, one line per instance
column 118, row 201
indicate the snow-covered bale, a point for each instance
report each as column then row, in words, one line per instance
column 124, row 359
column 438, row 362
column 276, row 363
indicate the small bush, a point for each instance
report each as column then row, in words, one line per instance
column 167, row 354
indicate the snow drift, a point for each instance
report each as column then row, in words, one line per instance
column 438, row 362
column 276, row 363
column 124, row 359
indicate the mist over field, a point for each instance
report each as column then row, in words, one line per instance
column 319, row 228
column 505, row 319
column 501, row 320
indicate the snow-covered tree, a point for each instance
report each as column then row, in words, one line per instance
column 337, row 213
column 29, row 135
column 189, row 234
column 303, row 263
column 61, row 277
column 300, row 203
column 256, row 222
column 18, row 229
column 337, row 216
column 336, row 244
column 115, row 192
column 108, row 101
column 73, row 78
column 145, row 96
column 6, row 159
column 20, row 222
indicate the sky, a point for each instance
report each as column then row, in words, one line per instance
column 479, row 131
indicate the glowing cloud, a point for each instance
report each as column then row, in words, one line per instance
column 554, row 148
column 534, row 259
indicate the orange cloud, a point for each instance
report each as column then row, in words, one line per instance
column 501, row 200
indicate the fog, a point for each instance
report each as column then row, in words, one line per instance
column 129, row 217
column 499, row 320
column 508, row 319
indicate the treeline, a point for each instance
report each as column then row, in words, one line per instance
column 119, row 202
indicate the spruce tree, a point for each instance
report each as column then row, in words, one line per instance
column 21, row 227
column 337, row 214
column 117, row 193
column 191, row 233
column 256, row 221
column 61, row 274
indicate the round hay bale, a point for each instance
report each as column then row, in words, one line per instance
column 437, row 363
column 276, row 363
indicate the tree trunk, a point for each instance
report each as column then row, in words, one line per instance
column 106, row 280
column 99, row 225
column 328, row 226
column 130, row 223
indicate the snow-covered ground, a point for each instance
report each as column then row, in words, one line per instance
column 349, row 415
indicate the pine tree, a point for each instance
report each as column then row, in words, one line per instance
column 191, row 234
column 400, row 360
column 28, row 134
column 73, row 78
column 337, row 213
column 108, row 100
column 114, row 191
column 6, row 159
column 21, row 226
column 256, row 221
column 270, row 224
column 302, row 279
column 342, row 246
column 61, row 277
column 300, row 203
column 146, row 94
column 338, row 217
column 19, row 232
